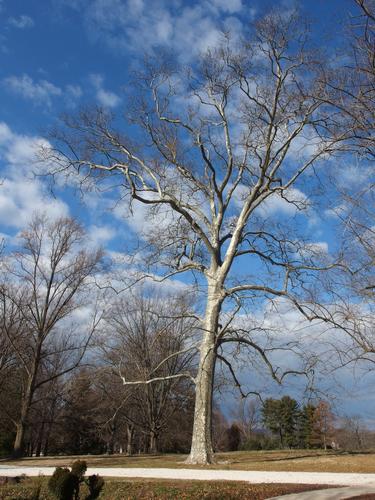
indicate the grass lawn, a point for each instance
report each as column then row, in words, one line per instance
column 284, row 460
column 149, row 489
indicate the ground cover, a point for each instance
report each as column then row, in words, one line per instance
column 161, row 489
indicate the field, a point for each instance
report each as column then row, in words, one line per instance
column 285, row 460
column 149, row 489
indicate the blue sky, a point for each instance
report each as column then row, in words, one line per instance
column 56, row 55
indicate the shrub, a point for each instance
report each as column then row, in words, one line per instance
column 79, row 468
column 95, row 484
column 62, row 484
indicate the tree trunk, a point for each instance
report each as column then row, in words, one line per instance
column 46, row 444
column 153, row 442
column 40, row 440
column 129, row 444
column 201, row 447
column 18, row 448
column 19, row 442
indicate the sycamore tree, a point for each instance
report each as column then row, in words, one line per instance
column 219, row 159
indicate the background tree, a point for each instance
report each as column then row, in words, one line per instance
column 233, row 437
column 42, row 285
column 323, row 429
column 280, row 416
column 248, row 416
column 150, row 339
column 305, row 426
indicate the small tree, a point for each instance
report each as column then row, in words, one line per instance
column 323, row 430
column 233, row 435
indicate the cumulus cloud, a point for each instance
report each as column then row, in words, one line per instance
column 20, row 198
column 105, row 97
column 21, row 22
column 142, row 26
column 21, row 194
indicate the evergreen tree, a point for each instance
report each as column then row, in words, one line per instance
column 289, row 413
column 281, row 416
column 306, row 426
column 271, row 417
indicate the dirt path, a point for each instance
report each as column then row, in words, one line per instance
column 324, row 478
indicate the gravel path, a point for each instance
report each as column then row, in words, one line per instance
column 325, row 478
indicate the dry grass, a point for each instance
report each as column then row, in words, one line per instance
column 285, row 460
column 152, row 489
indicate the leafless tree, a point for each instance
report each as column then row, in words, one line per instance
column 248, row 417
column 150, row 339
column 212, row 152
column 351, row 91
column 44, row 283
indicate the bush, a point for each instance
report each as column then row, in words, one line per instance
column 95, row 484
column 65, row 484
column 62, row 484
column 79, row 468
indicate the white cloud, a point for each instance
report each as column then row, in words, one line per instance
column 315, row 248
column 106, row 98
column 145, row 220
column 5, row 133
column 139, row 26
column 21, row 198
column 21, row 194
column 41, row 92
column 21, row 22
column 100, row 235
column 292, row 201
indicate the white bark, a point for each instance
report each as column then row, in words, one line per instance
column 201, row 447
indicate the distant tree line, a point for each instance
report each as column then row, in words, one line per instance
column 284, row 423
column 296, row 426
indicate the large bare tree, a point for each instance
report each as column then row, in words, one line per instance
column 43, row 283
column 219, row 158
